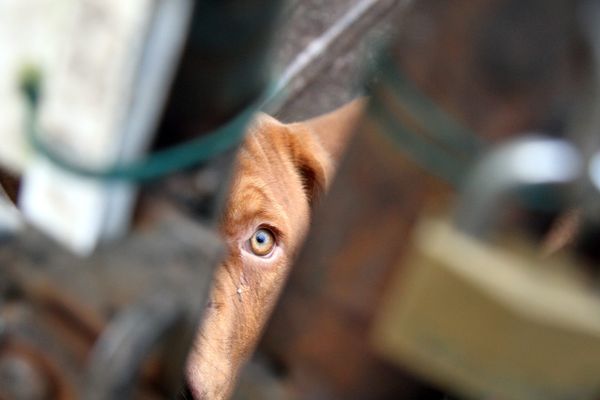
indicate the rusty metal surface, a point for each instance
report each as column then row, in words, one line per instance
column 500, row 66
column 321, row 326
column 482, row 63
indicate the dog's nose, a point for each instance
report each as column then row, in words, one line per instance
column 186, row 393
column 193, row 392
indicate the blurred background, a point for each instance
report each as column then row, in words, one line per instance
column 455, row 255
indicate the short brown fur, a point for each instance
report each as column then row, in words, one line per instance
column 281, row 170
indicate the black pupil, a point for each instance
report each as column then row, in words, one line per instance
column 261, row 237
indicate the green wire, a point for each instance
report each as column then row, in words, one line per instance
column 158, row 164
column 438, row 125
column 446, row 150
column 433, row 159
column 442, row 127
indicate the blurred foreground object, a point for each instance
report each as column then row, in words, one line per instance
column 113, row 326
column 184, row 76
column 10, row 218
column 104, row 67
column 481, row 311
column 108, row 75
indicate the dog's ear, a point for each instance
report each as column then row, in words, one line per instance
column 318, row 143
column 312, row 162
column 336, row 127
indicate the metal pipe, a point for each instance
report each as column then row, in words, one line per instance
column 527, row 161
column 121, row 350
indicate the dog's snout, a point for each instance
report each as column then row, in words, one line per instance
column 185, row 393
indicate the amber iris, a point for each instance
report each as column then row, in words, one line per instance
column 262, row 242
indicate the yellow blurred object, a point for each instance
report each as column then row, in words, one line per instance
column 491, row 320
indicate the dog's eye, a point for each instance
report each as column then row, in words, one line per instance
column 262, row 242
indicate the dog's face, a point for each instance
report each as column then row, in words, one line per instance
column 281, row 169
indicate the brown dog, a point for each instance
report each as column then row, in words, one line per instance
column 281, row 169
